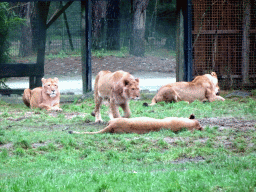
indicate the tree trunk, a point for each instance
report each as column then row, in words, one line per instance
column 137, row 46
column 113, row 25
column 98, row 23
column 34, row 27
column 25, row 40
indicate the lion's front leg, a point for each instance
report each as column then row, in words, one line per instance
column 44, row 106
column 125, row 107
column 98, row 101
column 114, row 110
column 220, row 98
column 56, row 107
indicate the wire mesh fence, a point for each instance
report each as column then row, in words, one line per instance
column 64, row 35
column 219, row 40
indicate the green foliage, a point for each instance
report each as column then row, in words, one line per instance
column 4, row 32
column 22, row 144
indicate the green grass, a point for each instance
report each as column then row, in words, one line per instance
column 37, row 153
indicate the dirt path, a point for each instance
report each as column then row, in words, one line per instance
column 72, row 65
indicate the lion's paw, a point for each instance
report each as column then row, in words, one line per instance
column 56, row 109
column 98, row 121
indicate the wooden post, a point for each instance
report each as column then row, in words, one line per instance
column 42, row 9
column 246, row 41
column 86, row 45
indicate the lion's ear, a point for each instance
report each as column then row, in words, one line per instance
column 213, row 74
column 56, row 79
column 43, row 80
column 137, row 80
column 126, row 82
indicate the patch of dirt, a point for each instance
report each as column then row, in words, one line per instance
column 189, row 159
column 228, row 123
column 72, row 65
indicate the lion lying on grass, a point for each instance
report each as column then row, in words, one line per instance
column 142, row 125
column 202, row 88
column 46, row 97
column 117, row 88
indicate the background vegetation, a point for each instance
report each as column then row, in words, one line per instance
column 160, row 28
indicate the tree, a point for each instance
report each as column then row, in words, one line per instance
column 4, row 25
column 99, row 9
column 113, row 25
column 137, row 45
column 26, row 33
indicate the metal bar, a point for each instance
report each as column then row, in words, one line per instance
column 42, row 11
column 17, row 70
column 57, row 14
column 188, row 63
column 86, row 45
column 68, row 31
column 11, row 91
column 213, row 32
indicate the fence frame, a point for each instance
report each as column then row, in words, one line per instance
column 35, row 71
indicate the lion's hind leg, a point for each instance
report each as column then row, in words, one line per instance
column 166, row 94
column 114, row 109
column 126, row 109
column 26, row 97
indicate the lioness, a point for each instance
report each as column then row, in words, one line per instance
column 117, row 88
column 202, row 88
column 46, row 97
column 142, row 125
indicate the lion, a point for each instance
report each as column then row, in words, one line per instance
column 202, row 88
column 117, row 88
column 46, row 97
column 142, row 125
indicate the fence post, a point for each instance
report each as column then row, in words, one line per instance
column 42, row 12
column 86, row 45
column 180, row 46
column 246, row 41
column 188, row 41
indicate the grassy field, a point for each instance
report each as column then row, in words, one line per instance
column 38, row 154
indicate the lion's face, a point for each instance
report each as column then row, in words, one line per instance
column 214, row 79
column 50, row 86
column 132, row 89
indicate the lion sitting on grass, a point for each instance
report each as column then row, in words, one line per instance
column 46, row 97
column 142, row 125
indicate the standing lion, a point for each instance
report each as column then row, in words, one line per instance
column 117, row 88
column 46, row 97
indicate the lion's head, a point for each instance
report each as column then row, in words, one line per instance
column 214, row 80
column 50, row 86
column 132, row 89
column 128, row 88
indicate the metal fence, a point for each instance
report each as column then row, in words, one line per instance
column 219, row 40
column 158, row 32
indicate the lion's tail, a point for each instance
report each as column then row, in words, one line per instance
column 153, row 102
column 26, row 97
column 192, row 116
column 105, row 130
